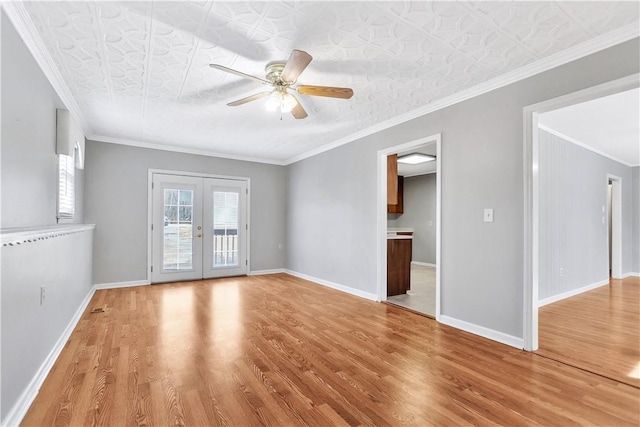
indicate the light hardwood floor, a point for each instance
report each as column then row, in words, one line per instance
column 598, row 330
column 277, row 350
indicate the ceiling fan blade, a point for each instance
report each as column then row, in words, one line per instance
column 331, row 92
column 298, row 61
column 239, row 73
column 298, row 111
column 249, row 99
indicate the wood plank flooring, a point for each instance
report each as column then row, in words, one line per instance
column 277, row 350
column 598, row 330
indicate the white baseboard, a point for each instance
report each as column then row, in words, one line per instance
column 625, row 275
column 332, row 285
column 571, row 293
column 19, row 410
column 491, row 334
column 263, row 272
column 121, row 284
column 424, row 264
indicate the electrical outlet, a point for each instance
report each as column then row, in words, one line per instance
column 561, row 272
column 43, row 294
column 279, row 246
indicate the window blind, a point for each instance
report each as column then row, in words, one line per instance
column 66, row 186
column 225, row 210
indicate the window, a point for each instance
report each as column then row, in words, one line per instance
column 66, row 186
column 225, row 228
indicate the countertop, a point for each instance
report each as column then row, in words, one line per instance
column 399, row 237
column 392, row 233
column 399, row 230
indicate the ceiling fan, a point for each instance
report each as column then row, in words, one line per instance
column 282, row 76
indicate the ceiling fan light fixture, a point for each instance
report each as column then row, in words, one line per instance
column 282, row 100
column 288, row 103
column 274, row 101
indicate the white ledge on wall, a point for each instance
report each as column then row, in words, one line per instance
column 22, row 235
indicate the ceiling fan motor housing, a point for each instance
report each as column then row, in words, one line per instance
column 273, row 72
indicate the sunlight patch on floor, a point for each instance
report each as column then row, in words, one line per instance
column 635, row 372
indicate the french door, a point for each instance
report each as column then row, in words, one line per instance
column 199, row 227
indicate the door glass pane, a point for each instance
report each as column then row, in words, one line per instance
column 178, row 229
column 225, row 229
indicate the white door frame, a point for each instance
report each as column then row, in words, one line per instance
column 195, row 175
column 381, row 229
column 532, row 193
column 616, row 226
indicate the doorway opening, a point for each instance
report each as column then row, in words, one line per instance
column 532, row 195
column 408, row 239
column 614, row 234
column 577, row 311
column 198, row 226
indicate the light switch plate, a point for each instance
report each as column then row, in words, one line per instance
column 488, row 215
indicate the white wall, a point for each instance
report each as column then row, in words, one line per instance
column 573, row 238
column 116, row 201
column 419, row 211
column 331, row 211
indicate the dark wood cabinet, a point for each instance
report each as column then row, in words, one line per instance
column 392, row 179
column 398, row 266
column 398, row 208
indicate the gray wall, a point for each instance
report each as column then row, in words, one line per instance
column 573, row 238
column 29, row 190
column 419, row 210
column 29, row 177
column 30, row 330
column 116, row 201
column 331, row 211
column 635, row 218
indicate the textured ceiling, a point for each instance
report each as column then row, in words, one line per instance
column 609, row 125
column 138, row 71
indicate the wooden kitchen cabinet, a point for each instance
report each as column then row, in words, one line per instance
column 398, row 208
column 398, row 266
column 395, row 186
column 392, row 179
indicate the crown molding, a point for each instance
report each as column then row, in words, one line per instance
column 581, row 50
column 583, row 145
column 184, row 150
column 23, row 24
